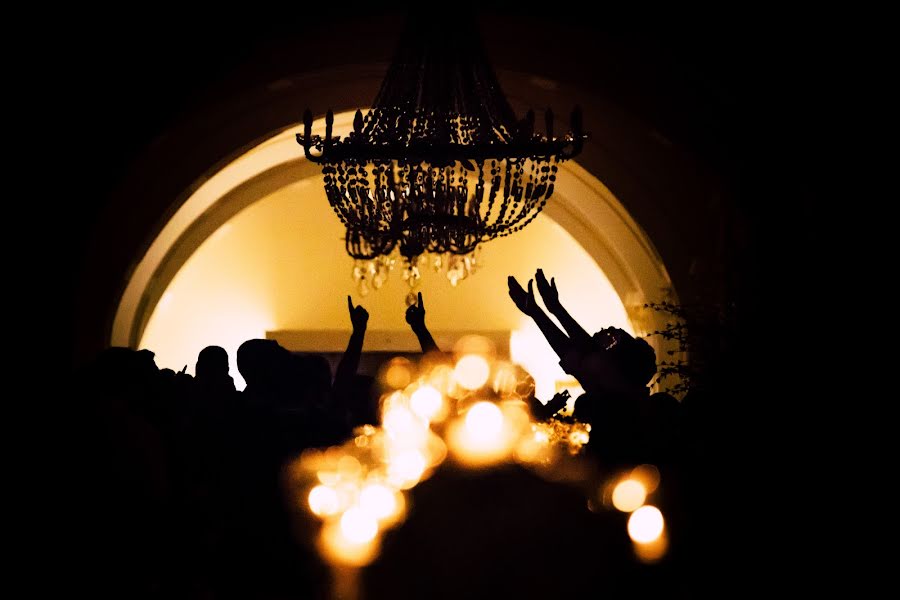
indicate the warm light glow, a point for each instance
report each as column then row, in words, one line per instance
column 629, row 495
column 426, row 402
column 472, row 371
column 230, row 291
column 579, row 437
column 484, row 436
column 474, row 344
column 441, row 379
column 505, row 379
column 406, row 468
column 652, row 551
column 645, row 524
column 401, row 424
column 484, row 422
column 648, row 475
column 398, row 373
column 534, row 446
column 379, row 501
column 358, row 526
column 323, row 501
column 349, row 467
column 435, row 450
column 529, row 348
column 337, row 548
column 230, row 275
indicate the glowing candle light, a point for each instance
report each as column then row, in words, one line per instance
column 426, row 402
column 472, row 371
column 323, row 501
column 377, row 500
column 629, row 495
column 484, row 422
column 358, row 526
column 645, row 524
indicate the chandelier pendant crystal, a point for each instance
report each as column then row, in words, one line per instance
column 439, row 164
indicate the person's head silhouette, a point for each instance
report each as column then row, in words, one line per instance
column 261, row 362
column 615, row 361
column 212, row 362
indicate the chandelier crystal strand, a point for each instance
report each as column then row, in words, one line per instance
column 439, row 164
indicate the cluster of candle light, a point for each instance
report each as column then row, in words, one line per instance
column 470, row 410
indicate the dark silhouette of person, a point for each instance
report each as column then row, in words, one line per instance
column 315, row 380
column 265, row 367
column 415, row 317
column 211, row 371
column 126, row 467
column 345, row 384
column 614, row 369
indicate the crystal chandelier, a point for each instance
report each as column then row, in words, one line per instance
column 439, row 164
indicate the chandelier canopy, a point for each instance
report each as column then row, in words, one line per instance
column 439, row 164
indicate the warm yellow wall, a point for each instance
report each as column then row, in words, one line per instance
column 280, row 264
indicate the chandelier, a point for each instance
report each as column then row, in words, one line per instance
column 439, row 164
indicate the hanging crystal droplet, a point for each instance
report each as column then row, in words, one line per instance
column 414, row 276
column 380, row 276
column 456, row 270
column 437, row 263
column 363, row 287
column 386, row 262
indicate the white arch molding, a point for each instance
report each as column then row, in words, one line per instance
column 581, row 205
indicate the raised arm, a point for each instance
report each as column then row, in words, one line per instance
column 550, row 295
column 415, row 316
column 346, row 369
column 525, row 301
column 542, row 411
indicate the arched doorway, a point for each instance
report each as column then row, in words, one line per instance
column 255, row 251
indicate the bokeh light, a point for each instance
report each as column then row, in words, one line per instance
column 337, row 549
column 484, row 422
column 474, row 344
column 629, row 495
column 427, row 403
column 398, row 373
column 505, row 380
column 358, row 526
column 323, row 501
column 646, row 524
column 472, row 371
column 406, row 468
column 377, row 500
column 357, row 490
column 651, row 552
column 648, row 475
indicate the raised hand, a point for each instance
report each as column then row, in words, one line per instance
column 359, row 316
column 548, row 291
column 557, row 402
column 415, row 314
column 524, row 300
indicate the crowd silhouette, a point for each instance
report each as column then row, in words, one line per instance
column 188, row 471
